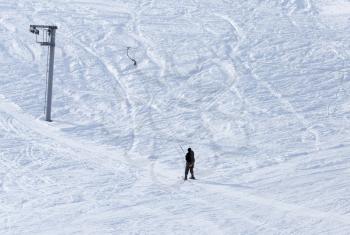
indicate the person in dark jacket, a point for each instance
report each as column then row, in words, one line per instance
column 189, row 163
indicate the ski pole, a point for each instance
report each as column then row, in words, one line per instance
column 182, row 148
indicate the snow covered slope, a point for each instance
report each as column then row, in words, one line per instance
column 260, row 89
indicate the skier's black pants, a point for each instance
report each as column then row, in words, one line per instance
column 189, row 167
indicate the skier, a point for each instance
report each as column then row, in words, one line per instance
column 189, row 163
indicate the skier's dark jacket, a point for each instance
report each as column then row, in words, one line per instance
column 190, row 157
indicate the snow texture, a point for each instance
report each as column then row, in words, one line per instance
column 260, row 89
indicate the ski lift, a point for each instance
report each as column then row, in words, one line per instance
column 127, row 53
column 34, row 30
column 45, row 40
column 48, row 39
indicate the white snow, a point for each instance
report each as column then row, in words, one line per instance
column 336, row 7
column 258, row 88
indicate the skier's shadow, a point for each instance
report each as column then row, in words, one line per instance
column 221, row 184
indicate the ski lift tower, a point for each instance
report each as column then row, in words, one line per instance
column 47, row 39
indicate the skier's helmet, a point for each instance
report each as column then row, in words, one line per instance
column 189, row 149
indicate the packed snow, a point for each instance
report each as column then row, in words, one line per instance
column 259, row 89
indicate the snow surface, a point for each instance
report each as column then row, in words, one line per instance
column 258, row 88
